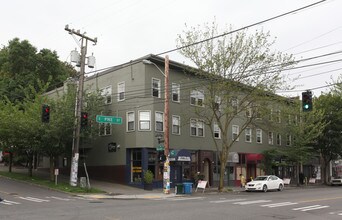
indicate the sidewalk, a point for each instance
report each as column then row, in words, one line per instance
column 120, row 191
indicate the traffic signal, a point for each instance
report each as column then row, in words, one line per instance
column 84, row 119
column 45, row 113
column 307, row 101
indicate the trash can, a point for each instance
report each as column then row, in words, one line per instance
column 187, row 188
column 179, row 188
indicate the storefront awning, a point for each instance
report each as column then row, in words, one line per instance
column 180, row 155
column 254, row 157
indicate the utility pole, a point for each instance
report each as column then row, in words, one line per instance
column 166, row 176
column 79, row 104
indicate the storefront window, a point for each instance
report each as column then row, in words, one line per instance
column 136, row 165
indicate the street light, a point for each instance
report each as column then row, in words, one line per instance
column 166, row 171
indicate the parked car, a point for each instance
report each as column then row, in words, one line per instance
column 336, row 181
column 265, row 183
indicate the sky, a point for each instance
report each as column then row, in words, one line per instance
column 130, row 29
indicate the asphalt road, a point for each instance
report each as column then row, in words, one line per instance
column 24, row 201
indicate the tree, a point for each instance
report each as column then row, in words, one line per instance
column 21, row 65
column 239, row 73
column 329, row 144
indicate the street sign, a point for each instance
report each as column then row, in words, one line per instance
column 160, row 148
column 109, row 119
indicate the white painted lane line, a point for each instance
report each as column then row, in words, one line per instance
column 7, row 202
column 34, row 199
column 227, row 200
column 252, row 202
column 279, row 204
column 58, row 198
column 185, row 198
column 306, row 207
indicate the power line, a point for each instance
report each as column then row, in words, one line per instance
column 240, row 29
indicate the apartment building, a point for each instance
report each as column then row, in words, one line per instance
column 134, row 91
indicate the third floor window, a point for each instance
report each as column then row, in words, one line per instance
column 175, row 92
column 197, row 97
column 156, row 87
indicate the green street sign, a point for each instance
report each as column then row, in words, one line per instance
column 109, row 119
column 160, row 148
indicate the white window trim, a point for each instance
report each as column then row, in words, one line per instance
column 248, row 134
column 179, row 121
column 279, row 139
column 217, row 130
column 270, row 140
column 279, row 116
column 197, row 121
column 140, row 120
column 105, row 134
column 107, row 94
column 155, row 121
column 127, row 121
column 124, row 91
column 159, row 86
column 175, row 91
column 256, row 136
column 196, row 93
column 288, row 140
column 238, row 131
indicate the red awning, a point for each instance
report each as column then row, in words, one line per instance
column 253, row 157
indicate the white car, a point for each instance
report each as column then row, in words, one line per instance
column 336, row 181
column 265, row 183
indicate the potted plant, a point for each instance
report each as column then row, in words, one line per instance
column 148, row 180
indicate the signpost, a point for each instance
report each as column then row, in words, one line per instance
column 109, row 119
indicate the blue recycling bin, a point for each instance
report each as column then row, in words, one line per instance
column 187, row 188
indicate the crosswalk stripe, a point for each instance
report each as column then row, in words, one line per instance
column 279, row 204
column 308, row 208
column 7, row 202
column 227, row 200
column 251, row 202
column 33, row 199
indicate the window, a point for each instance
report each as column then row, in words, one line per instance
column 217, row 131
column 278, row 139
column 136, row 165
column 288, row 140
column 270, row 137
column 249, row 112
column 175, row 124
column 175, row 92
column 235, row 132
column 234, row 103
column 270, row 116
column 278, row 116
column 105, row 129
column 258, row 134
column 107, row 94
column 130, row 121
column 197, row 97
column 196, row 128
column 289, row 119
column 217, row 104
column 159, row 118
column 295, row 119
column 121, row 91
column 144, row 120
column 156, row 87
column 248, row 135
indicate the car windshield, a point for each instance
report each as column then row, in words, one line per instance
column 260, row 178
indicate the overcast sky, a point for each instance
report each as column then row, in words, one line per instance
column 129, row 29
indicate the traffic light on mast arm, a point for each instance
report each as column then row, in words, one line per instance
column 307, row 101
column 84, row 119
column 45, row 113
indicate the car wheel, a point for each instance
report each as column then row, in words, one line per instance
column 281, row 187
column 264, row 188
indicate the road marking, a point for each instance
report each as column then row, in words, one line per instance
column 252, row 202
column 322, row 199
column 185, row 198
column 279, row 204
column 308, row 208
column 58, row 198
column 33, row 199
column 227, row 200
column 7, row 202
